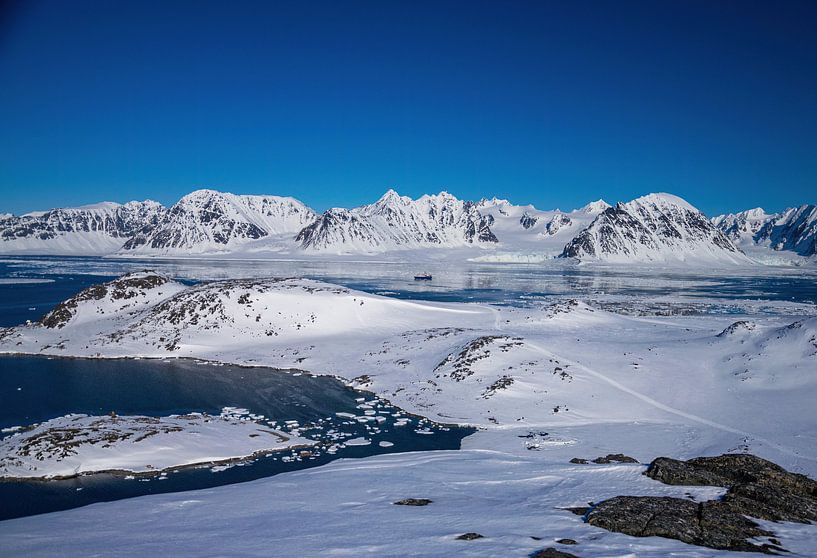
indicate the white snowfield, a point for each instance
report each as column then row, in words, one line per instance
column 543, row 384
column 81, row 444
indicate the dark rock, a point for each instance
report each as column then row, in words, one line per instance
column 614, row 458
column 127, row 286
column 710, row 524
column 566, row 541
column 413, row 502
column 470, row 537
column 757, row 488
column 552, row 553
column 579, row 461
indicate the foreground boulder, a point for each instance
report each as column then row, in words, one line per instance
column 708, row 524
column 757, row 488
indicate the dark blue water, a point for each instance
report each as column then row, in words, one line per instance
column 34, row 389
column 505, row 284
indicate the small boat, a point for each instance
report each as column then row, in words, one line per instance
column 422, row 277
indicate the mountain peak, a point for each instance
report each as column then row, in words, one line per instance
column 662, row 199
column 595, row 207
column 654, row 228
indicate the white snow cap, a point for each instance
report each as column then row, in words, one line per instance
column 595, row 207
column 662, row 199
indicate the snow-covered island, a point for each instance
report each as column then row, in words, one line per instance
column 80, row 444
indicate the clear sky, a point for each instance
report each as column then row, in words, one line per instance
column 550, row 103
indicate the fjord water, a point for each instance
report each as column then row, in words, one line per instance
column 34, row 389
column 514, row 284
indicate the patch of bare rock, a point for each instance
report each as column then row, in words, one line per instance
column 756, row 488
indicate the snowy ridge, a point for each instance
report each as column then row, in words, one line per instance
column 654, row 228
column 398, row 222
column 209, row 221
column 594, row 208
column 739, row 226
column 87, row 230
column 793, row 231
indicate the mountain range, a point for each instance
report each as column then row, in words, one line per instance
column 657, row 228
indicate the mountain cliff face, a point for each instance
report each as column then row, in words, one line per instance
column 206, row 220
column 398, row 222
column 93, row 229
column 794, row 229
column 653, row 228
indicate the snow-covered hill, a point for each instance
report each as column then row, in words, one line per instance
column 655, row 228
column 793, row 230
column 396, row 222
column 206, row 221
column 88, row 230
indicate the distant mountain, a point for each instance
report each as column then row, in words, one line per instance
column 654, row 228
column 794, row 229
column 210, row 221
column 93, row 229
column 398, row 222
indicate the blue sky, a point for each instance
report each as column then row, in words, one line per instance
column 550, row 103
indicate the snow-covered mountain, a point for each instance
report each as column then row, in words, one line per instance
column 653, row 228
column 793, row 230
column 398, row 222
column 210, row 221
column 738, row 226
column 525, row 232
column 92, row 229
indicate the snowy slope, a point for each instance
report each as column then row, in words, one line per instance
column 654, row 228
column 207, row 221
column 525, row 233
column 88, row 230
column 397, row 222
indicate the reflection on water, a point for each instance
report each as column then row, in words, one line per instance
column 457, row 282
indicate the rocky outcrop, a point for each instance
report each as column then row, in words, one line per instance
column 123, row 288
column 552, row 553
column 704, row 524
column 417, row 502
column 527, row 220
column 757, row 488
